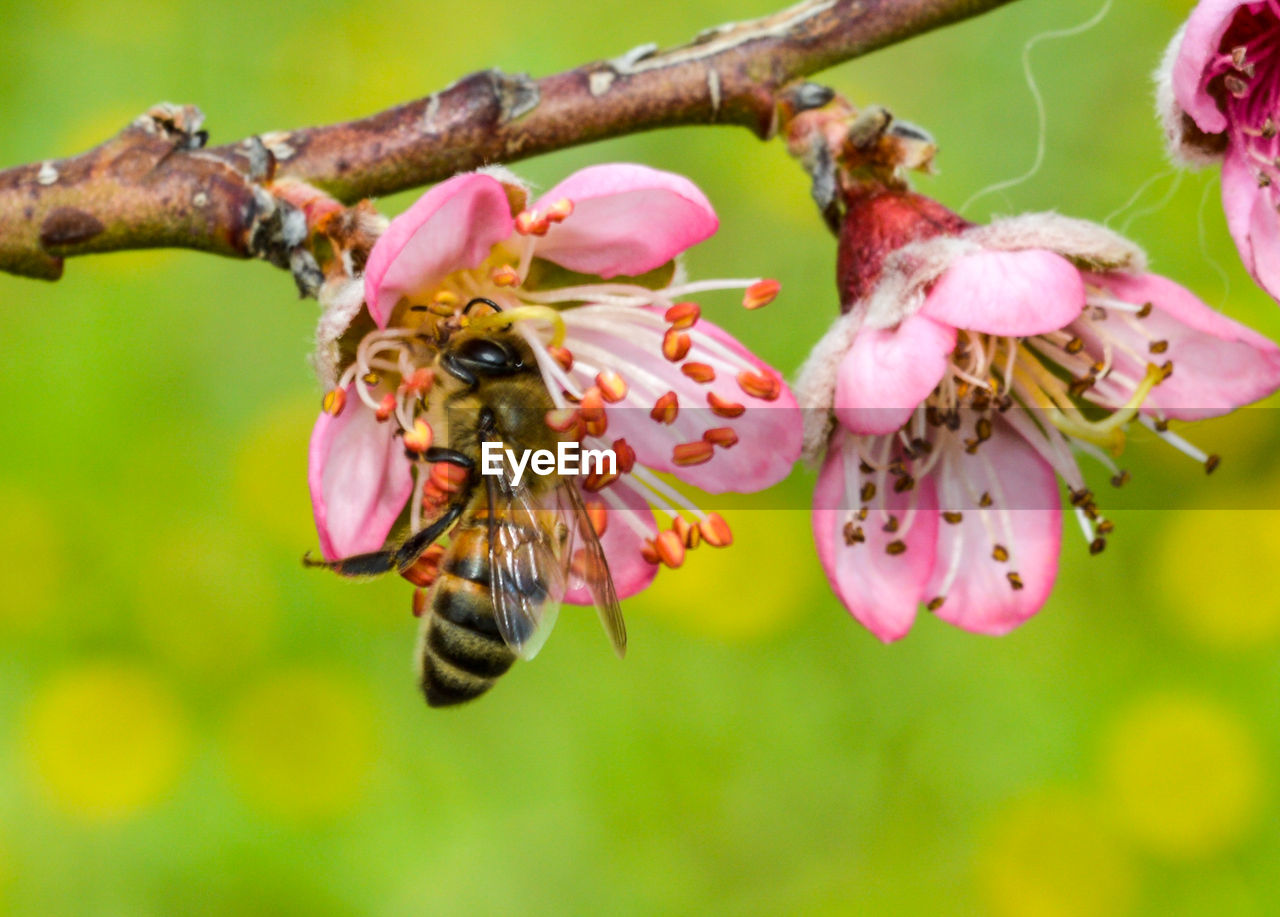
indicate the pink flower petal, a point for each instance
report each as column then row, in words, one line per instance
column 880, row 589
column 1241, row 196
column 627, row 219
column 621, row 540
column 769, row 432
column 1007, row 293
column 1252, row 219
column 1201, row 41
column 886, row 374
column 1025, row 518
column 451, row 227
column 1218, row 364
column 359, row 479
column 1264, row 241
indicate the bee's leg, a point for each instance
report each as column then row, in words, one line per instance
column 455, row 368
column 356, row 565
column 452, row 456
column 413, row 547
column 480, row 300
column 401, row 558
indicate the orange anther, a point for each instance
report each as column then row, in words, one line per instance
column 448, row 477
column 432, row 496
column 419, row 382
column 761, row 293
column 669, row 548
column 675, row 345
column 724, row 437
column 683, row 314
column 597, row 481
column 591, row 410
column 722, row 407
column 598, row 515
column 562, row 356
column 649, row 552
column 595, row 427
column 592, row 405
column 665, row 408
column 626, row 455
column 418, row 440
column 612, row 386
column 530, row 222
column 687, row 531
column 426, row 568
column 419, row 602
column 505, row 276
column 334, row 401
column 692, row 453
column 444, row 302
column 558, row 210
column 699, row 372
column 562, row 419
column 759, row 385
column 386, row 407
column 715, row 531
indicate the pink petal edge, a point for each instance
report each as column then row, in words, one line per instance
column 981, row 599
column 627, row 219
column 359, row 480
column 451, row 227
column 887, row 373
column 1205, row 29
column 1009, row 293
column 1218, row 363
column 882, row 591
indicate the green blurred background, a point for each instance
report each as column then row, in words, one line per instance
column 192, row 723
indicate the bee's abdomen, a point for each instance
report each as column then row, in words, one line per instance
column 462, row 652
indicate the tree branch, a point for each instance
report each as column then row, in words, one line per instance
column 153, row 185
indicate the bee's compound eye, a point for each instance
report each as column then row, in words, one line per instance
column 483, row 353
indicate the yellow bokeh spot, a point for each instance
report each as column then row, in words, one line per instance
column 1182, row 775
column 1220, row 599
column 749, row 590
column 301, row 745
column 271, row 472
column 33, row 562
column 1049, row 855
column 205, row 603
column 106, row 740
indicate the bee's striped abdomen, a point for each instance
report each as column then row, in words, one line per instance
column 462, row 652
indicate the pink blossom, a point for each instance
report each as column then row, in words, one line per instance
column 961, row 384
column 1218, row 92
column 587, row 273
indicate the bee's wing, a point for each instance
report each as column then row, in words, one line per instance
column 589, row 562
column 526, row 577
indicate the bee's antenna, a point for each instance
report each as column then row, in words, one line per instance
column 480, row 299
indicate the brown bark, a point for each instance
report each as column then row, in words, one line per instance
column 153, row 185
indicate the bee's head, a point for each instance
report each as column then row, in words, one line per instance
column 473, row 357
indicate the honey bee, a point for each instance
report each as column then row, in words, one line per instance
column 513, row 549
